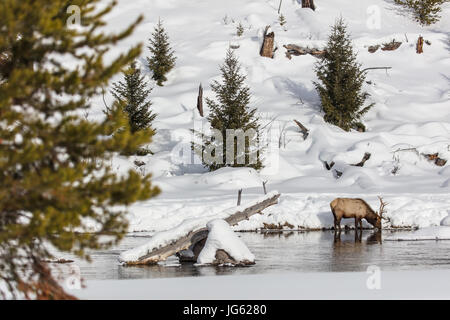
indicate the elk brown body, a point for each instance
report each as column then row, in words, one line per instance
column 357, row 209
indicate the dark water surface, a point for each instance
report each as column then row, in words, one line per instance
column 284, row 252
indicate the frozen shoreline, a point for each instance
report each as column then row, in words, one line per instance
column 305, row 211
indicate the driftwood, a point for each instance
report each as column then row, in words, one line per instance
column 419, row 46
column 366, row 157
column 330, row 166
column 296, row 50
column 200, row 100
column 391, row 46
column 338, row 173
column 267, row 47
column 303, row 129
column 435, row 157
column 308, row 4
column 373, row 49
column 193, row 240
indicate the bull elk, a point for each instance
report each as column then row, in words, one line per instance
column 357, row 209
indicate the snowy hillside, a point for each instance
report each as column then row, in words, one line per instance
column 411, row 116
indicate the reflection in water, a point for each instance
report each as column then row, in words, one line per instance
column 278, row 252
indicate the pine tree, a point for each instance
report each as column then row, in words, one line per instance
column 51, row 186
column 282, row 20
column 133, row 95
column 231, row 112
column 426, row 12
column 340, row 81
column 162, row 59
column 240, row 30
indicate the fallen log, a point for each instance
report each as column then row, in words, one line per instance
column 391, row 46
column 303, row 129
column 373, row 49
column 436, row 159
column 366, row 157
column 194, row 237
column 296, row 50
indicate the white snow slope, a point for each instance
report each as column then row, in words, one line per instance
column 412, row 110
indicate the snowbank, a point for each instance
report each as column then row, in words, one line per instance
column 446, row 221
column 430, row 233
column 221, row 237
column 410, row 118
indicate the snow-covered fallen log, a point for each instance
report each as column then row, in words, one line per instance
column 167, row 243
column 224, row 247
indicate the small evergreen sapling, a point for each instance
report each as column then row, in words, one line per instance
column 133, row 94
column 162, row 58
column 231, row 111
column 282, row 20
column 240, row 30
column 340, row 82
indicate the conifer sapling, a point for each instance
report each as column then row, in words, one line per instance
column 133, row 94
column 231, row 111
column 162, row 58
column 340, row 81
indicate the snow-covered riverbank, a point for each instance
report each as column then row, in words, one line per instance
column 294, row 211
column 410, row 118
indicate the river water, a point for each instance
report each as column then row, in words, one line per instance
column 276, row 252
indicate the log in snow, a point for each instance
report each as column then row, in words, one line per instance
column 167, row 243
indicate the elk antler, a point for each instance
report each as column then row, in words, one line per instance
column 382, row 208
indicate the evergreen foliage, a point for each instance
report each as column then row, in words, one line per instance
column 133, row 95
column 232, row 111
column 55, row 177
column 162, row 59
column 426, row 12
column 240, row 30
column 340, row 81
column 281, row 20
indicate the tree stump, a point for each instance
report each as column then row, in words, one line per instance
column 419, row 47
column 268, row 43
column 308, row 4
column 200, row 100
column 303, row 129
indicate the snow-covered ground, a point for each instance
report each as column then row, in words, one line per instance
column 429, row 233
column 293, row 286
column 411, row 115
